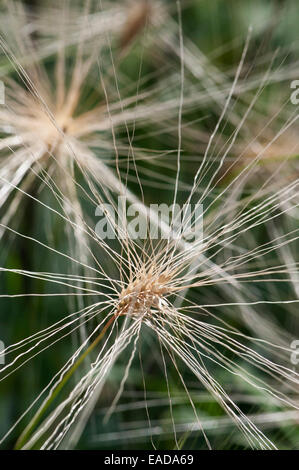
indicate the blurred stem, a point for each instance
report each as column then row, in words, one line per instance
column 39, row 414
column 262, row 163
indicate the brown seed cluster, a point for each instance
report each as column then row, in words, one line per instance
column 143, row 294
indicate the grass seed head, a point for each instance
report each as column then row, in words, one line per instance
column 146, row 292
